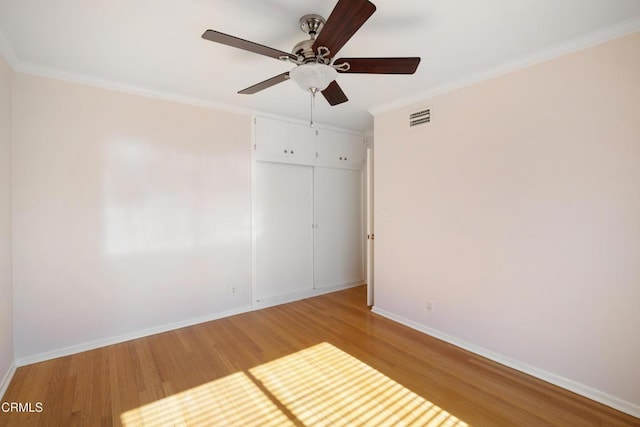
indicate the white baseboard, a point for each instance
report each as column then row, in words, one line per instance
column 581, row 389
column 92, row 345
column 283, row 299
column 4, row 384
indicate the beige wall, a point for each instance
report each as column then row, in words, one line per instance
column 516, row 212
column 130, row 213
column 6, row 298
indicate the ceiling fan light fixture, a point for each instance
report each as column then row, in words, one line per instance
column 313, row 76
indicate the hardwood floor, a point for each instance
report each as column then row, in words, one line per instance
column 321, row 361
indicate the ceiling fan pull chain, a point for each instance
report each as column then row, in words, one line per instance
column 313, row 91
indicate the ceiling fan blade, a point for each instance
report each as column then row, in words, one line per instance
column 334, row 94
column 226, row 39
column 265, row 84
column 345, row 19
column 380, row 65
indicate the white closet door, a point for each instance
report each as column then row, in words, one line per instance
column 284, row 233
column 338, row 243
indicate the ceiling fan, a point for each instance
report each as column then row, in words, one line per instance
column 316, row 68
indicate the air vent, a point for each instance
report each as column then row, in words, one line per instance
column 420, row 117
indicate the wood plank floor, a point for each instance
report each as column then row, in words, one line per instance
column 321, row 361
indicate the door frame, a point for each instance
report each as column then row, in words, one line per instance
column 370, row 228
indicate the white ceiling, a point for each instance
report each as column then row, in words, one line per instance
column 156, row 46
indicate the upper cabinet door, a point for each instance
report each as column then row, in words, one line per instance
column 271, row 140
column 302, row 144
column 340, row 150
column 284, row 142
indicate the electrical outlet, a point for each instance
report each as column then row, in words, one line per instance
column 429, row 307
column 233, row 290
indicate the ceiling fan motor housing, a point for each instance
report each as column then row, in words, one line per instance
column 304, row 51
column 310, row 24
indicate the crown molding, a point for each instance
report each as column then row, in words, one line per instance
column 47, row 72
column 52, row 73
column 598, row 37
column 316, row 125
column 592, row 39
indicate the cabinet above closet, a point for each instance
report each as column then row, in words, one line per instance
column 293, row 143
column 339, row 150
column 279, row 141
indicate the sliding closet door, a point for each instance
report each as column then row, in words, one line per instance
column 338, row 243
column 284, row 233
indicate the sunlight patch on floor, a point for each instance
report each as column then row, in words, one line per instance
column 323, row 385
column 318, row 386
column 230, row 401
